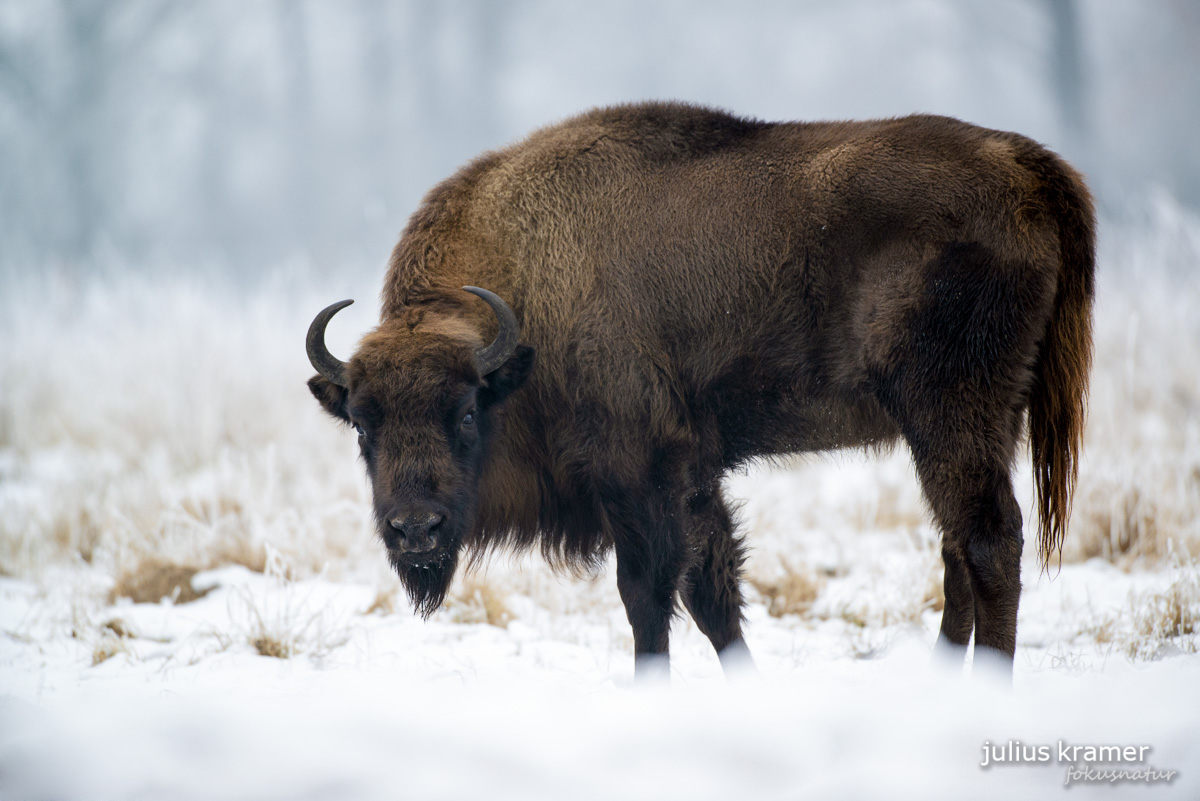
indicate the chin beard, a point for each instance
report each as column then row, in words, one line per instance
column 427, row 581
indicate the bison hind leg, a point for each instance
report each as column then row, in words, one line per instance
column 955, row 375
column 969, row 489
column 958, row 614
column 712, row 590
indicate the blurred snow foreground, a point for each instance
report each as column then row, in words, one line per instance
column 193, row 605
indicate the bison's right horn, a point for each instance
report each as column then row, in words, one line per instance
column 489, row 358
column 325, row 362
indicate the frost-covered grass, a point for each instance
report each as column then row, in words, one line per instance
column 193, row 604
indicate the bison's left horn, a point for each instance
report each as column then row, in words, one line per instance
column 325, row 362
column 489, row 358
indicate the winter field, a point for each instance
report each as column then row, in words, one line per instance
column 193, row 604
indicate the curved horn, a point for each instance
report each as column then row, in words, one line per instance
column 490, row 357
column 325, row 362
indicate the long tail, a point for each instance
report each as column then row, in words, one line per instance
column 1057, row 408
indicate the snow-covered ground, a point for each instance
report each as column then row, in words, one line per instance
column 151, row 425
column 381, row 705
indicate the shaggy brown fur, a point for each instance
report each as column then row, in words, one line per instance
column 702, row 290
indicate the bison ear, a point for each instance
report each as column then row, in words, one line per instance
column 331, row 397
column 509, row 376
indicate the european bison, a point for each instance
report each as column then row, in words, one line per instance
column 701, row 290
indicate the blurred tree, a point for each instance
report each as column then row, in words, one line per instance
column 1067, row 72
column 294, row 131
column 62, row 82
column 298, row 130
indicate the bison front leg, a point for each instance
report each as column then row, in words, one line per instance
column 649, row 604
column 650, row 560
column 712, row 588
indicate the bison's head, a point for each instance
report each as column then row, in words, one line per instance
column 422, row 394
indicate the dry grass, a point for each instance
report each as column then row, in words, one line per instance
column 935, row 589
column 274, row 646
column 109, row 646
column 119, row 628
column 791, row 591
column 250, row 555
column 212, row 511
column 1169, row 620
column 199, row 467
column 868, row 643
column 151, row 580
column 1116, row 528
column 1157, row 623
column 898, row 594
column 384, row 603
column 78, row 531
column 1103, row 630
column 1139, row 482
column 112, row 640
column 477, row 601
column 855, row 616
column 284, row 621
column 1126, row 523
column 893, row 509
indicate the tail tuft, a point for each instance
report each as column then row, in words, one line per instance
column 1058, row 405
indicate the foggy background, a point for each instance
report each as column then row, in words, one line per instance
column 184, row 184
column 298, row 136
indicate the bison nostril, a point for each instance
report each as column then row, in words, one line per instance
column 418, row 532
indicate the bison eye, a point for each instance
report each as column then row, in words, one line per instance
column 468, row 420
column 359, row 429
